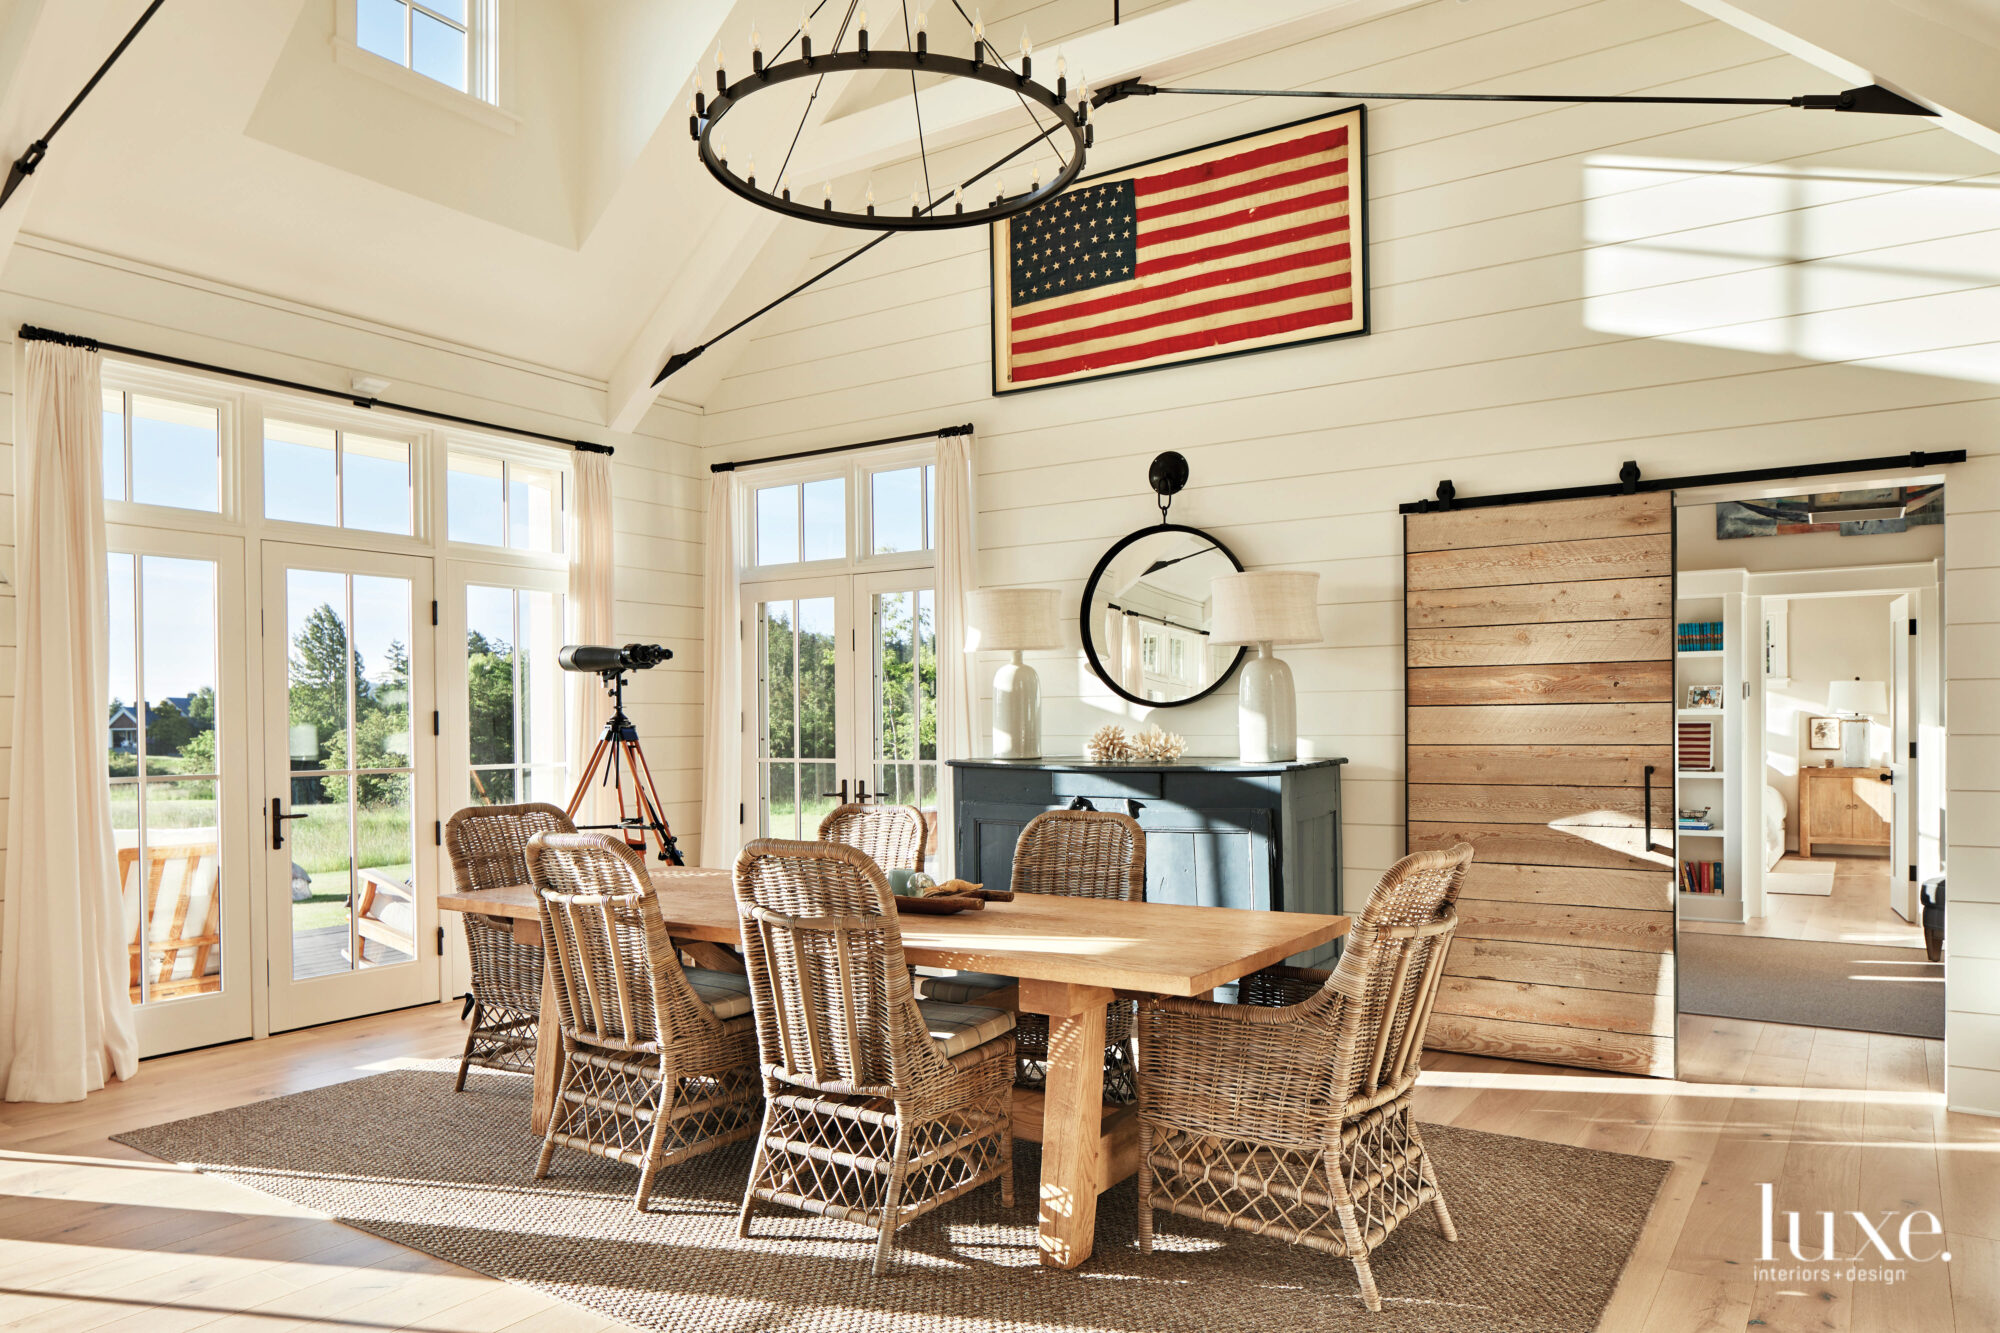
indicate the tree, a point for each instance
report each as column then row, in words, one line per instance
column 321, row 659
column 167, row 729
column 489, row 678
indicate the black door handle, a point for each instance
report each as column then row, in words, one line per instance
column 1648, row 799
column 861, row 791
column 843, row 791
column 278, row 819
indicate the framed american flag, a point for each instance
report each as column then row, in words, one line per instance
column 1245, row 245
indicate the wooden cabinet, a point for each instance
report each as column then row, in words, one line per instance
column 1848, row 807
column 1218, row 833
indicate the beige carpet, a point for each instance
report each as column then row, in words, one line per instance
column 1544, row 1230
column 1812, row 878
column 1856, row 987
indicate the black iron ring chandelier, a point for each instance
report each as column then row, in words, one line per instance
column 1068, row 135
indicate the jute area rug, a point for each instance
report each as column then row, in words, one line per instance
column 1858, row 987
column 1544, row 1230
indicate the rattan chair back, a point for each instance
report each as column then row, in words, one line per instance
column 1082, row 854
column 835, row 1010
column 891, row 835
column 1389, row 972
column 488, row 844
column 618, row 980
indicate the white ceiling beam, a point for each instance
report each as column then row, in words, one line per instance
column 1931, row 51
column 726, row 251
column 1160, row 44
column 48, row 51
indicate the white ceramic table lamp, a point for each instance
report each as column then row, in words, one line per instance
column 1854, row 700
column 1265, row 608
column 1016, row 620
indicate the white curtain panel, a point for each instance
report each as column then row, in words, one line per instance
column 591, row 575
column 722, row 681
column 1131, row 663
column 65, row 1009
column 957, row 735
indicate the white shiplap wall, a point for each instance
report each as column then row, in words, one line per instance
column 658, row 507
column 1555, row 290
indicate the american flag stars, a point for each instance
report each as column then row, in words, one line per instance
column 1077, row 241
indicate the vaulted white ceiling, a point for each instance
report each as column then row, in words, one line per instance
column 577, row 230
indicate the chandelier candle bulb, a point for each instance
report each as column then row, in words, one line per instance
column 826, row 196
column 1027, row 56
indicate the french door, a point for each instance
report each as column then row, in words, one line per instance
column 349, row 807
column 840, row 691
column 178, row 743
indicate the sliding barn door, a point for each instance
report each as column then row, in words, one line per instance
column 1539, row 643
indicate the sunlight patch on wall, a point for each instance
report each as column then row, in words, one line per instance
column 1828, row 264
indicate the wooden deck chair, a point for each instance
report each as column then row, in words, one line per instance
column 181, row 874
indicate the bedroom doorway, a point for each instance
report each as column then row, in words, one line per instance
column 1809, row 756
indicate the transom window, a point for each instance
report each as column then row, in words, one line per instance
column 162, row 451
column 867, row 515
column 434, row 38
column 503, row 502
column 335, row 478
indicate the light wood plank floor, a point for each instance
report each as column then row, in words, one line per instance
column 97, row 1236
column 1856, row 912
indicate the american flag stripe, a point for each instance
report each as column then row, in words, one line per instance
column 1249, row 331
column 1086, row 306
column 1237, row 163
column 1183, row 201
column 1157, row 319
column 1245, row 246
column 1113, row 331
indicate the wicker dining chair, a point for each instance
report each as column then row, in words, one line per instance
column 1078, row 854
column 488, row 847
column 892, row 835
column 1288, row 1114
column 659, row 1063
column 877, row 1109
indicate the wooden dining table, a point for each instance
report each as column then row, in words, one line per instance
column 1073, row 956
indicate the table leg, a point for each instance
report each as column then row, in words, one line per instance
column 1072, row 1119
column 548, row 1051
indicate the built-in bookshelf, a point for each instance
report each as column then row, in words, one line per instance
column 1709, row 671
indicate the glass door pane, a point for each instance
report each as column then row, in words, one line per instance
column 796, row 753
column 903, row 709
column 164, row 770
column 348, row 701
column 516, row 736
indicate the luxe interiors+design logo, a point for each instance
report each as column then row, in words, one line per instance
column 1850, row 1245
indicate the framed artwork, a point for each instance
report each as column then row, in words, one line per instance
column 1823, row 733
column 1242, row 246
column 1704, row 696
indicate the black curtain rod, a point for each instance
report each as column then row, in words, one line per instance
column 24, row 165
column 30, row 333
column 1631, row 483
column 1157, row 620
column 942, row 432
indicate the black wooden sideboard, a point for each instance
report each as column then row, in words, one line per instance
column 1218, row 832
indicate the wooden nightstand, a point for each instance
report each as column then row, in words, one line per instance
column 1850, row 807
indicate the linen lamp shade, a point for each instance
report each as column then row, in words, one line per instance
column 1857, row 699
column 1857, row 696
column 1016, row 619
column 1274, row 606
column 1264, row 608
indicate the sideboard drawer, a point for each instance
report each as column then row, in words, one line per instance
column 1109, row 786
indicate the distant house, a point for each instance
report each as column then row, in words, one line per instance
column 125, row 722
column 125, row 730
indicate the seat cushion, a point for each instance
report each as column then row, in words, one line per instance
column 961, row 987
column 957, row 1028
column 727, row 993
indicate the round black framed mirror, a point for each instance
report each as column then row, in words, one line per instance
column 1146, row 612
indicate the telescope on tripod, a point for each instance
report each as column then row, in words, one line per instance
column 618, row 751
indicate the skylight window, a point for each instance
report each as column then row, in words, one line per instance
column 439, row 39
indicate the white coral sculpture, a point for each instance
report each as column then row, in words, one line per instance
column 1108, row 745
column 1155, row 746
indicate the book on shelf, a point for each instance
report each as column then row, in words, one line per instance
column 1703, row 877
column 1698, row 636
